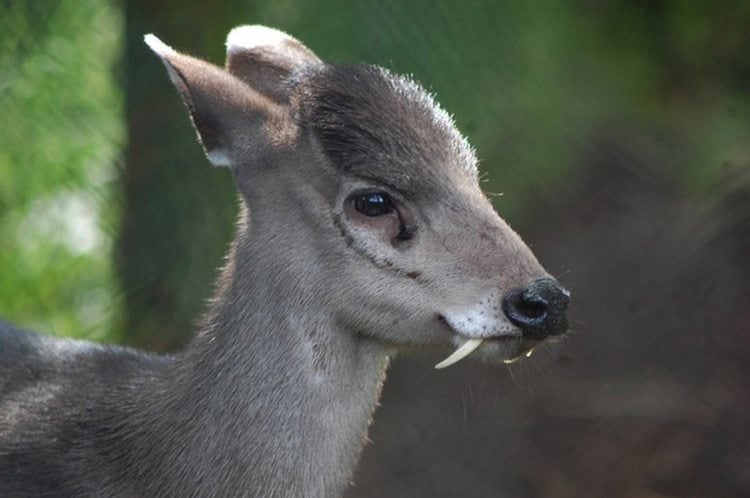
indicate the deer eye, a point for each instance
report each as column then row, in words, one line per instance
column 373, row 203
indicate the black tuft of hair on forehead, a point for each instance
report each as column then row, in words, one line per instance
column 373, row 123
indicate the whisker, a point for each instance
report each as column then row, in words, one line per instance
column 564, row 273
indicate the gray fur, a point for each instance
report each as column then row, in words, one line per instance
column 274, row 394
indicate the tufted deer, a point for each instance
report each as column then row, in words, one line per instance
column 362, row 231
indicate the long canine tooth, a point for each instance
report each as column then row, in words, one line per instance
column 459, row 354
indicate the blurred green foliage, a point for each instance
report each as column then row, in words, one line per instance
column 532, row 83
column 60, row 138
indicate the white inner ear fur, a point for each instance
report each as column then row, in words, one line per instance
column 159, row 47
column 163, row 51
column 218, row 157
column 249, row 37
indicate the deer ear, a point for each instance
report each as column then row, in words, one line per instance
column 264, row 58
column 224, row 111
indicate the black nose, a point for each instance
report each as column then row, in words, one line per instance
column 540, row 310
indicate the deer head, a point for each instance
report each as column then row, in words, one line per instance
column 364, row 198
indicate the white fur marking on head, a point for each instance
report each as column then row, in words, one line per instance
column 250, row 37
column 218, row 157
column 159, row 47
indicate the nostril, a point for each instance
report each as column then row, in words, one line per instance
column 539, row 310
column 523, row 310
column 533, row 307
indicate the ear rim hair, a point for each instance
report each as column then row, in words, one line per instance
column 224, row 110
column 266, row 58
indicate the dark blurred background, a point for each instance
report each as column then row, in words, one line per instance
column 617, row 132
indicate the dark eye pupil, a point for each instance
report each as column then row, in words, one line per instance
column 373, row 204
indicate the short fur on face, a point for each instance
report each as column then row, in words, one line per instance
column 380, row 126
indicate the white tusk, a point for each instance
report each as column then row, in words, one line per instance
column 459, row 354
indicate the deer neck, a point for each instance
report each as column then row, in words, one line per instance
column 296, row 390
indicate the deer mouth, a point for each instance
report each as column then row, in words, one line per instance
column 510, row 348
